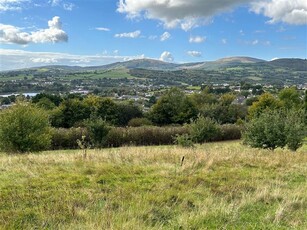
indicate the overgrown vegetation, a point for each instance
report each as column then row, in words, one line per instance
column 204, row 116
column 218, row 186
column 24, row 128
column 276, row 128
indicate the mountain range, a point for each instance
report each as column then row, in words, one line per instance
column 295, row 64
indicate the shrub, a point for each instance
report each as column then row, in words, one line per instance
column 137, row 122
column 67, row 138
column 276, row 128
column 98, row 130
column 24, row 128
column 203, row 129
column 295, row 129
column 229, row 132
column 184, row 140
column 146, row 135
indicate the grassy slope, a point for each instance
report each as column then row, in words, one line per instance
column 219, row 186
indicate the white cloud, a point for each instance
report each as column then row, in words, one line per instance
column 55, row 2
column 224, row 41
column 177, row 13
column 12, row 5
column 102, row 29
column 165, row 36
column 10, row 34
column 288, row 11
column 44, row 60
column 17, row 59
column 197, row 39
column 134, row 34
column 194, row 53
column 166, row 56
column 68, row 6
column 255, row 42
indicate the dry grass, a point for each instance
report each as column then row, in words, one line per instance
column 219, row 186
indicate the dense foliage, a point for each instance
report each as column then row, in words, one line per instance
column 24, row 128
column 276, row 128
column 208, row 115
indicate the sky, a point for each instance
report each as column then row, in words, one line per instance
column 97, row 32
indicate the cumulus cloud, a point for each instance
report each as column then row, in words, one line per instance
column 17, row 59
column 134, row 34
column 166, row 56
column 11, row 5
column 291, row 12
column 193, row 13
column 197, row 39
column 13, row 35
column 194, row 53
column 165, row 36
column 177, row 13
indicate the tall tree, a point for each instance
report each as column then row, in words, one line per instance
column 173, row 108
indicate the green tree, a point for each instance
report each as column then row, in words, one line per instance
column 24, row 128
column 226, row 99
column 126, row 112
column 45, row 103
column 56, row 99
column 266, row 102
column 174, row 107
column 290, row 98
column 107, row 110
column 276, row 128
column 70, row 112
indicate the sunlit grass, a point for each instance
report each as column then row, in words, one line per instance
column 217, row 186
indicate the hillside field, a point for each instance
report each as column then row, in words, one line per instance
column 222, row 185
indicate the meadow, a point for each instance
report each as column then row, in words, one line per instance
column 221, row 185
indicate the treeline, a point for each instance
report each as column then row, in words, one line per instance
column 172, row 108
column 94, row 122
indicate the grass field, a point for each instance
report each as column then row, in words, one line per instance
column 218, row 186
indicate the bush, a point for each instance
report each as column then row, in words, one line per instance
column 24, row 128
column 138, row 122
column 184, row 140
column 229, row 132
column 67, row 138
column 203, row 129
column 295, row 129
column 146, row 135
column 277, row 128
column 98, row 130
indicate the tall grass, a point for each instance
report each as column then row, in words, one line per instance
column 219, row 186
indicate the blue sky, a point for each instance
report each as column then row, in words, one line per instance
column 97, row 32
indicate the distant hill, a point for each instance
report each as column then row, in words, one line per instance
column 291, row 63
column 138, row 64
column 228, row 62
column 294, row 64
